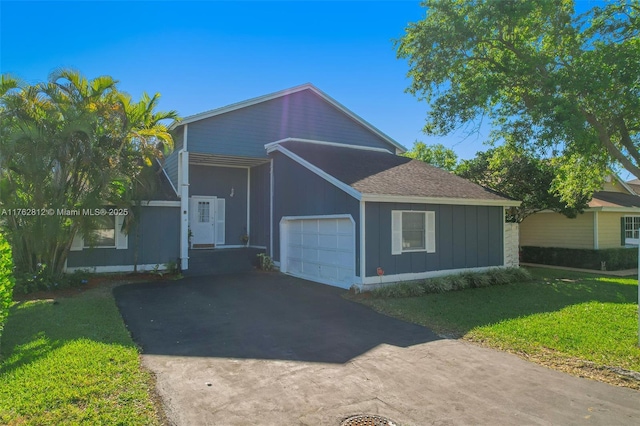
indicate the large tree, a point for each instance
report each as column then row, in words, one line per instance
column 69, row 143
column 566, row 84
column 517, row 174
column 437, row 155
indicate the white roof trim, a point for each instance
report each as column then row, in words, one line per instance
column 624, row 184
column 269, row 146
column 382, row 198
column 326, row 176
column 264, row 98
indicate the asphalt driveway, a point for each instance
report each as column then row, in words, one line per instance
column 268, row 349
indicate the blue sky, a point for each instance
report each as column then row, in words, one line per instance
column 206, row 54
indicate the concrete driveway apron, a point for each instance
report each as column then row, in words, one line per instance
column 269, row 349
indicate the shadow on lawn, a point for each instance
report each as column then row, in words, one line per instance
column 462, row 311
column 36, row 329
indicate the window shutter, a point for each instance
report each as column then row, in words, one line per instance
column 77, row 243
column 122, row 239
column 396, row 232
column 220, row 220
column 430, row 226
column 622, row 233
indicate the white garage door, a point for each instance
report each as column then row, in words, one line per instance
column 319, row 248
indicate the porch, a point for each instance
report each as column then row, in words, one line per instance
column 222, row 261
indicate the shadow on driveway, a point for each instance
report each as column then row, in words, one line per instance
column 259, row 316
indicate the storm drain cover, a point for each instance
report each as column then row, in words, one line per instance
column 367, row 420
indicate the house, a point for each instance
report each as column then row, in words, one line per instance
column 611, row 221
column 300, row 177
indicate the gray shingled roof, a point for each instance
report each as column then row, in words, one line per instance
column 382, row 173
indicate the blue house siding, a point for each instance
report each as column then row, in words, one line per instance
column 466, row 237
column 218, row 182
column 304, row 114
column 171, row 168
column 299, row 192
column 158, row 243
column 260, row 206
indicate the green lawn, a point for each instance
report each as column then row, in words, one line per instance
column 572, row 315
column 72, row 362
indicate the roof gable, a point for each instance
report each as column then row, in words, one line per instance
column 302, row 112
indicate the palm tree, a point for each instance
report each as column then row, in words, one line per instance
column 69, row 143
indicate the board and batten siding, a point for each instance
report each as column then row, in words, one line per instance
column 300, row 192
column 158, row 242
column 219, row 182
column 305, row 115
column 260, row 207
column 466, row 237
column 171, row 168
column 557, row 230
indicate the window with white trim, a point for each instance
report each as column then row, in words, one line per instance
column 632, row 230
column 108, row 232
column 413, row 231
column 103, row 234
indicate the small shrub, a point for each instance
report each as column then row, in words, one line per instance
column 495, row 276
column 458, row 282
column 438, row 285
column 519, row 274
column 7, row 281
column 171, row 267
column 499, row 276
column 265, row 262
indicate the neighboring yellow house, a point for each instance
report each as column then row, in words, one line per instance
column 612, row 220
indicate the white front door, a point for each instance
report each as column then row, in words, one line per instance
column 202, row 221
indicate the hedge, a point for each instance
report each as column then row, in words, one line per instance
column 605, row 259
column 6, row 281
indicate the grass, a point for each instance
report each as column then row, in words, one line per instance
column 72, row 361
column 560, row 318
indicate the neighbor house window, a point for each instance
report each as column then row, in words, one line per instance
column 632, row 230
column 103, row 234
column 413, row 231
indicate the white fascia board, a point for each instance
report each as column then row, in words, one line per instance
column 269, row 146
column 624, row 184
column 381, row 198
column 326, row 176
column 635, row 210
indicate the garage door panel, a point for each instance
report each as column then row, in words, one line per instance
column 328, row 257
column 327, row 226
column 328, row 241
column 310, row 226
column 321, row 250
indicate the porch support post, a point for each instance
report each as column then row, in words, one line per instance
column 184, row 210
